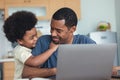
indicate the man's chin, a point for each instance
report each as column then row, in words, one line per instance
column 55, row 42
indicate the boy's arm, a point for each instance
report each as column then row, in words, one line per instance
column 40, row 59
column 32, row 72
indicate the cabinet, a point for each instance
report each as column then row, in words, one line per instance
column 43, row 9
column 1, row 71
column 22, row 2
column 73, row 4
column 39, row 7
column 8, row 70
column 57, row 4
column 1, row 4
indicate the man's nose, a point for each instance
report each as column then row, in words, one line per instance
column 53, row 33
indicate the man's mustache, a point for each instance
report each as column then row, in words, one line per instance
column 54, row 37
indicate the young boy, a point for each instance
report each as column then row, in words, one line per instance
column 20, row 28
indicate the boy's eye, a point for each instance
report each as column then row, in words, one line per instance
column 31, row 38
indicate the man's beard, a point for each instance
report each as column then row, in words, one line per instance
column 55, row 42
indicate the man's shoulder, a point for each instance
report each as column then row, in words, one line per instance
column 83, row 39
column 81, row 36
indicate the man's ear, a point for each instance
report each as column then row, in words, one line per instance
column 73, row 29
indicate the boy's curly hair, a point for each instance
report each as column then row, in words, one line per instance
column 17, row 24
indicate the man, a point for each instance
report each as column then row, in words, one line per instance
column 63, row 25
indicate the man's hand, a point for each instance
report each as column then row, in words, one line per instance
column 115, row 70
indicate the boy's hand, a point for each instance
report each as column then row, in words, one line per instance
column 53, row 46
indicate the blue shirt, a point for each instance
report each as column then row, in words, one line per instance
column 43, row 44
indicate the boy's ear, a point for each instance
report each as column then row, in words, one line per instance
column 19, row 41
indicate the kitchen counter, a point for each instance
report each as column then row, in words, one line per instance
column 6, row 60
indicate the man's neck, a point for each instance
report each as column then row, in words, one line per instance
column 70, row 39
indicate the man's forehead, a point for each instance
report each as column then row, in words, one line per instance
column 58, row 21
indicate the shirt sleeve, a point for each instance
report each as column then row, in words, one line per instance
column 23, row 55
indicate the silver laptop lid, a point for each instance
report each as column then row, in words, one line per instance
column 85, row 61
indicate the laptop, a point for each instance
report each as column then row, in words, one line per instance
column 85, row 61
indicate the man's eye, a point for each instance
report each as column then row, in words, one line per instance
column 59, row 31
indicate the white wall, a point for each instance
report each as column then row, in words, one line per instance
column 5, row 45
column 2, row 47
column 95, row 11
